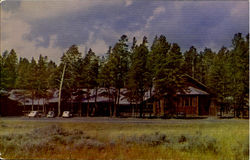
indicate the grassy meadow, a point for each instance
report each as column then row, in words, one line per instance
column 156, row 139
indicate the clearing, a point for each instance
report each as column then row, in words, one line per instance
column 123, row 138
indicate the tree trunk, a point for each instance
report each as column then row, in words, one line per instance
column 141, row 107
column 110, row 107
column 133, row 109
column 38, row 104
column 80, row 105
column 32, row 107
column 118, row 101
column 96, row 92
column 193, row 67
column 115, row 104
column 136, row 107
column 234, row 110
column 88, row 102
column 24, row 105
column 43, row 106
column 71, row 105
column 60, row 91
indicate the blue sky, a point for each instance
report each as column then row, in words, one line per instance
column 51, row 27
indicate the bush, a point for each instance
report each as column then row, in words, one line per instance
column 198, row 143
column 49, row 131
column 182, row 139
column 77, row 132
column 58, row 139
column 88, row 143
column 34, row 146
column 150, row 139
column 241, row 149
column 188, row 143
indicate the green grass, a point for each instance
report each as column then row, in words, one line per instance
column 176, row 139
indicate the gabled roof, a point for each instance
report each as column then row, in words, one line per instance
column 194, row 82
column 23, row 97
column 193, row 91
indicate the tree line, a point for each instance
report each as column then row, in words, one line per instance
column 137, row 67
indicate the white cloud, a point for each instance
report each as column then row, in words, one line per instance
column 157, row 11
column 97, row 45
column 53, row 8
column 14, row 30
column 15, row 26
column 139, row 34
column 128, row 2
column 239, row 9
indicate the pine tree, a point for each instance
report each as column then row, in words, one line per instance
column 119, row 62
column 169, row 79
column 138, row 74
column 8, row 70
column 190, row 58
column 68, row 67
column 240, row 72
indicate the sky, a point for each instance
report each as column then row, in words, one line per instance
column 50, row 27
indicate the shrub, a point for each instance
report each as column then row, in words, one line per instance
column 77, row 132
column 37, row 145
column 198, row 143
column 58, row 139
column 49, row 131
column 150, row 139
column 182, row 139
column 88, row 143
column 4, row 126
column 241, row 149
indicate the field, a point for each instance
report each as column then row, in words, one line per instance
column 114, row 138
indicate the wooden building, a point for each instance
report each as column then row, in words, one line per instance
column 9, row 107
column 194, row 101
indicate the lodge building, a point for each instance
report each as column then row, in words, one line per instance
column 194, row 101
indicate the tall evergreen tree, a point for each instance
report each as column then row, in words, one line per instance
column 169, row 76
column 90, row 75
column 118, row 61
column 138, row 74
column 22, row 81
column 219, row 77
column 68, row 67
column 190, row 58
column 207, row 62
column 106, row 80
column 8, row 70
column 240, row 72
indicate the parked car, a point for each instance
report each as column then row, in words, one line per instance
column 66, row 114
column 180, row 115
column 51, row 114
column 1, row 157
column 34, row 114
